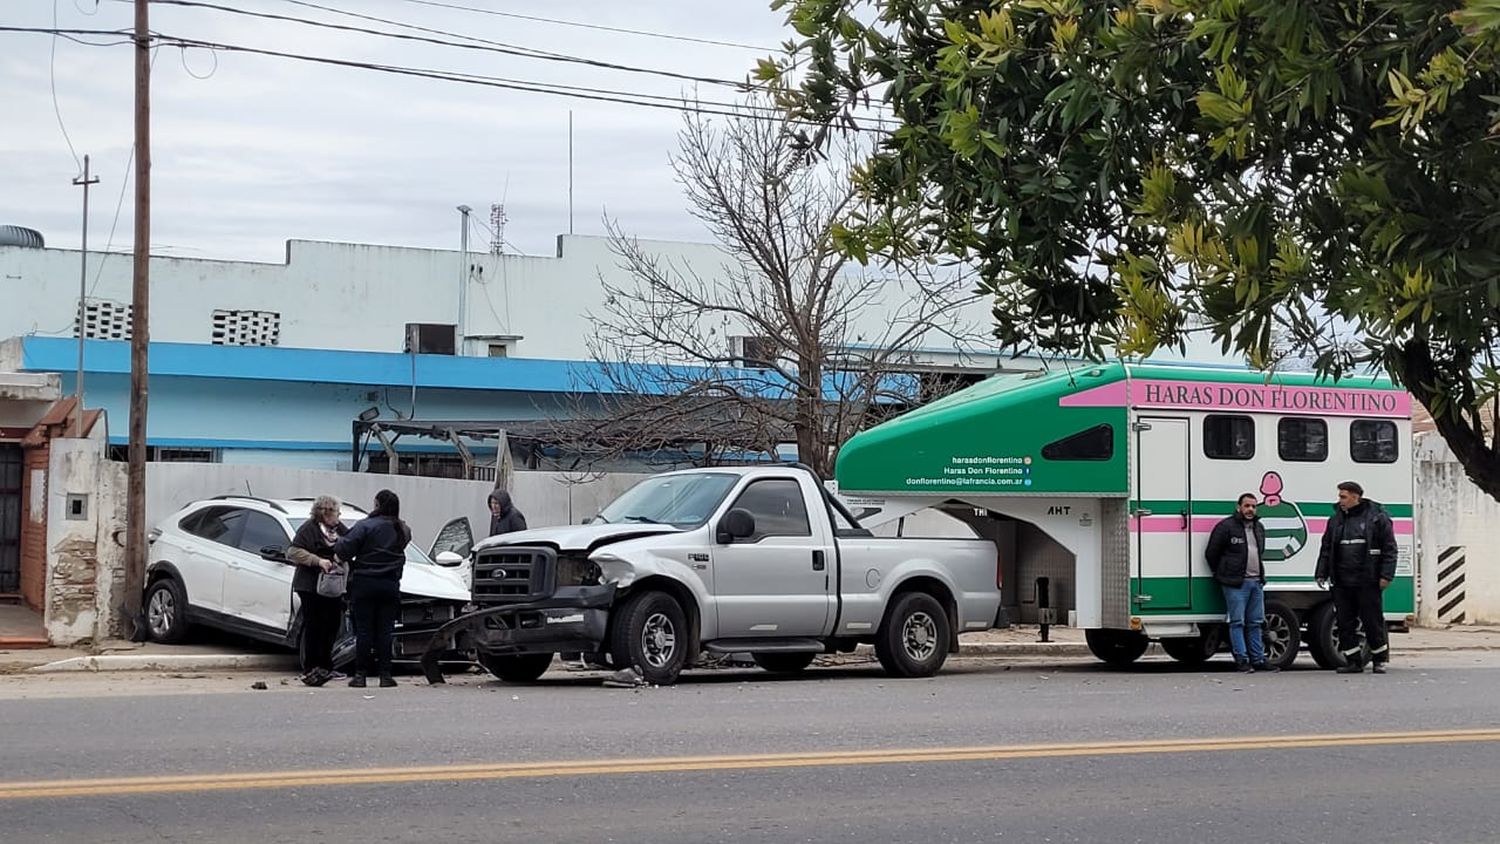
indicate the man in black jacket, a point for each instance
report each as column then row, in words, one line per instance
column 1358, row 557
column 1235, row 550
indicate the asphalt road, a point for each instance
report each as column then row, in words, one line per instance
column 987, row 751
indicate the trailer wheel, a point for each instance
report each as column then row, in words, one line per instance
column 1323, row 635
column 1320, row 635
column 913, row 639
column 783, row 663
column 1282, row 634
column 652, row 635
column 522, row 668
column 1118, row 648
column 1193, row 650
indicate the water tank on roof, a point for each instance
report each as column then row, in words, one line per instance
column 18, row 236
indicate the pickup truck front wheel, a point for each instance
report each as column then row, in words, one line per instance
column 913, row 641
column 651, row 633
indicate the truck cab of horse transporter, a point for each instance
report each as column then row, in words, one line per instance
column 1107, row 480
column 760, row 560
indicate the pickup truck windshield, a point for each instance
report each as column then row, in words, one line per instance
column 679, row 500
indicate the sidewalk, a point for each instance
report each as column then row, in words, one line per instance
column 1017, row 641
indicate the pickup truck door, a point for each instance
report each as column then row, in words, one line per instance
column 777, row 582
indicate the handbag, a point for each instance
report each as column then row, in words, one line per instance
column 333, row 584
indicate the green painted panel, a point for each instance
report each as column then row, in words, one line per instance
column 1226, row 508
column 1202, row 595
column 989, row 439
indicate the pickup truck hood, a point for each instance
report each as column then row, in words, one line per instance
column 429, row 581
column 577, row 537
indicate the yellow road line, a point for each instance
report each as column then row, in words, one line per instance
column 585, row 768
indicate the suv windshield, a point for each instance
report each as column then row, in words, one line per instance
column 679, row 500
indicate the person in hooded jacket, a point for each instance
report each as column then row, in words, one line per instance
column 311, row 552
column 1235, row 551
column 504, row 517
column 375, row 550
column 1358, row 558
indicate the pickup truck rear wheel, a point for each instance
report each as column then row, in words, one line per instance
column 783, row 663
column 913, row 640
column 522, row 668
column 651, row 634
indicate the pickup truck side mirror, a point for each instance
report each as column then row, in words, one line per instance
column 273, row 553
column 737, row 524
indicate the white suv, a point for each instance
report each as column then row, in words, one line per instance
column 222, row 563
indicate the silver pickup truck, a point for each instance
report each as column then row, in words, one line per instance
column 758, row 560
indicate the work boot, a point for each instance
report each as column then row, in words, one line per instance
column 1266, row 667
column 1354, row 666
column 357, row 681
column 1378, row 667
column 1243, row 666
column 387, row 681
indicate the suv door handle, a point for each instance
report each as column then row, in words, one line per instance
column 819, row 563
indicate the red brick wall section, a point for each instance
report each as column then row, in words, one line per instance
column 34, row 531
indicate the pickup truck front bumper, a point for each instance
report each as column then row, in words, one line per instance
column 575, row 618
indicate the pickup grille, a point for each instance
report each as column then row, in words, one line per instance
column 508, row 575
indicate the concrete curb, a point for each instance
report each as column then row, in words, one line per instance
column 170, row 662
column 1057, row 649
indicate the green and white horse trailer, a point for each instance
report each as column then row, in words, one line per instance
column 1126, row 468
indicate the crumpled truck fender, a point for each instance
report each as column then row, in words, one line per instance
column 626, row 567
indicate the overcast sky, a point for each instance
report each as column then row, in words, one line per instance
column 268, row 149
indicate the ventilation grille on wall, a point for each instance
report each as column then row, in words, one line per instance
column 247, row 328
column 102, row 319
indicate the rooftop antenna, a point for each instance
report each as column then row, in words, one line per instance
column 497, row 228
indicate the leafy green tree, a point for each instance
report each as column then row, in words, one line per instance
column 1317, row 179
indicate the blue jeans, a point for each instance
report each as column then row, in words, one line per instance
column 1247, row 620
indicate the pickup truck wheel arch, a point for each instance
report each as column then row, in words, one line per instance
column 939, row 591
column 685, row 599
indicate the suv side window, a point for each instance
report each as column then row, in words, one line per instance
column 216, row 524
column 778, row 508
column 260, row 531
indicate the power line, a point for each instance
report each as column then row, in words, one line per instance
column 872, row 124
column 483, row 45
column 52, row 80
column 618, row 97
column 582, row 25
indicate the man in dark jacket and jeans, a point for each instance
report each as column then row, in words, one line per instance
column 1235, row 550
column 1358, row 558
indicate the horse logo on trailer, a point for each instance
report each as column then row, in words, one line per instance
column 1286, row 529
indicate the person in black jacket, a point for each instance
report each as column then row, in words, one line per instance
column 311, row 552
column 1358, row 557
column 375, row 549
column 504, row 517
column 1235, row 550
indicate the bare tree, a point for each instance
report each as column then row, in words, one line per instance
column 787, row 339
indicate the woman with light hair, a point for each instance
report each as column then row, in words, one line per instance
column 322, row 616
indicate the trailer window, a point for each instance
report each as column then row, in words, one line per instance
column 1229, row 437
column 1302, row 440
column 1373, row 441
column 1096, row 443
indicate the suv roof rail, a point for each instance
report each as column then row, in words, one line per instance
column 266, row 501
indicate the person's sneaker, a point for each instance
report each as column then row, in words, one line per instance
column 1244, row 668
column 1378, row 668
column 387, row 681
column 1265, row 667
column 357, row 681
column 1350, row 668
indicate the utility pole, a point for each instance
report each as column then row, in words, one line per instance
column 570, row 171
column 140, row 334
column 460, row 324
column 83, row 292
